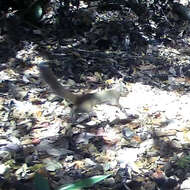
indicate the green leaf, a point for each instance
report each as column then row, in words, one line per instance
column 83, row 183
column 41, row 183
column 37, row 12
column 184, row 162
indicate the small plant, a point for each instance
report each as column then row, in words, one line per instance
column 184, row 162
column 41, row 183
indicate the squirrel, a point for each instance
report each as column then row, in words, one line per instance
column 81, row 103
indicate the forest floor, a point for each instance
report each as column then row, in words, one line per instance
column 145, row 147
